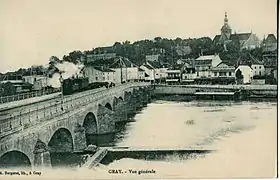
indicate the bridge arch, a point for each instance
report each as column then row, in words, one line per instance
column 40, row 146
column 61, row 141
column 127, row 95
column 91, row 126
column 41, row 154
column 108, row 106
column 15, row 159
column 115, row 103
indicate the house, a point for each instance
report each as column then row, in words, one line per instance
column 10, row 84
column 256, row 65
column 188, row 75
column 102, row 56
column 12, row 78
column 149, row 72
column 204, row 64
column 38, row 81
column 270, row 63
column 99, row 74
column 246, row 40
column 119, row 66
column 33, row 78
column 125, row 70
column 131, row 70
column 160, row 71
column 258, row 69
column 173, row 76
column 154, row 57
column 246, row 72
column 223, row 73
column 270, row 43
column 184, row 61
column 141, row 74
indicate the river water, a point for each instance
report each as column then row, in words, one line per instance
column 243, row 135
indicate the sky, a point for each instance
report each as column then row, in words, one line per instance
column 33, row 30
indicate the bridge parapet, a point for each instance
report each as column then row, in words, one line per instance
column 27, row 117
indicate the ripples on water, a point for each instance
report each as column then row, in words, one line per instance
column 163, row 124
column 166, row 124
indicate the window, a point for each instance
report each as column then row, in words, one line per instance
column 260, row 73
column 215, row 73
column 220, row 73
column 197, row 73
column 260, row 67
column 96, row 78
column 255, row 67
column 229, row 73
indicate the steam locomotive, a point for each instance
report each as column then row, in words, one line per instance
column 79, row 84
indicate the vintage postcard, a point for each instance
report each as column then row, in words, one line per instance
column 133, row 89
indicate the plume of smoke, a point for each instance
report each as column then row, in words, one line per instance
column 54, row 81
column 67, row 70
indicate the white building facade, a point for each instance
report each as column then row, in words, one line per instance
column 258, row 69
column 204, row 64
column 247, row 73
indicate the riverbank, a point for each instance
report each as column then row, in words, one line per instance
column 243, row 92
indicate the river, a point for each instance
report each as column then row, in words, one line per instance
column 243, row 135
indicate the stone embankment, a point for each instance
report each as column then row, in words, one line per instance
column 251, row 91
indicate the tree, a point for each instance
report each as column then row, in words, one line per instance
column 239, row 74
column 53, row 59
column 157, row 39
column 73, row 57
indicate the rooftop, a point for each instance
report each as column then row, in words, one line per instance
column 270, row 39
column 208, row 57
column 148, row 66
column 235, row 36
column 155, row 64
column 121, row 62
column 103, row 69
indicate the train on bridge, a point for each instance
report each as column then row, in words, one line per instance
column 78, row 84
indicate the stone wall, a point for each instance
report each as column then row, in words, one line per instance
column 191, row 89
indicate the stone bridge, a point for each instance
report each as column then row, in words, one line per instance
column 30, row 135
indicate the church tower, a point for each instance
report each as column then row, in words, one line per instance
column 225, row 30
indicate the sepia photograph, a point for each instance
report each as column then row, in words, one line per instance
column 138, row 89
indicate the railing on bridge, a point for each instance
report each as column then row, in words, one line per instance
column 17, row 97
column 28, row 117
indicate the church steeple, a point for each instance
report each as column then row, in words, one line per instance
column 225, row 30
column 226, row 19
